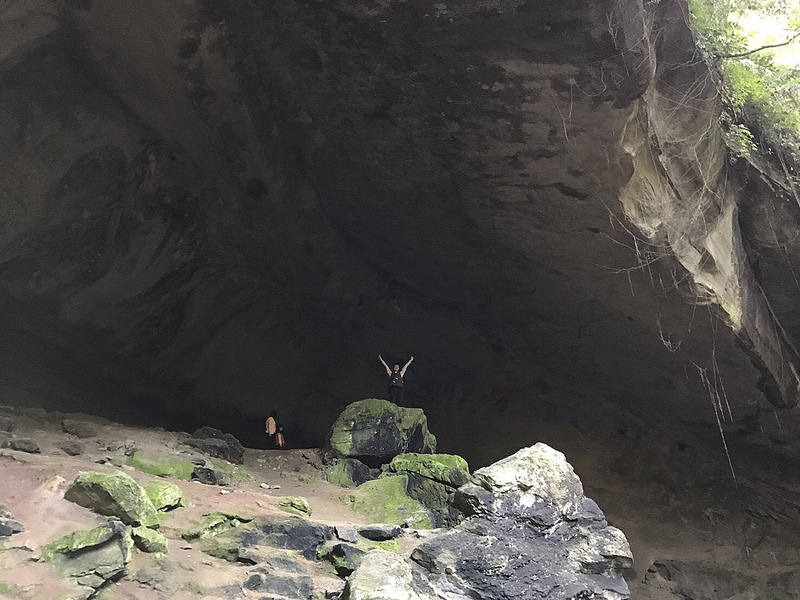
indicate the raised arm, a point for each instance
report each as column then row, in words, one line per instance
column 385, row 366
column 405, row 366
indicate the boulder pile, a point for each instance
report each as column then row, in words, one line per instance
column 530, row 533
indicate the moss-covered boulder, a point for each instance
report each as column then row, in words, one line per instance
column 296, row 505
column 214, row 524
column 165, row 495
column 374, row 431
column 344, row 558
column 433, row 480
column 349, row 472
column 113, row 495
column 385, row 500
column 448, row 469
column 149, row 540
column 162, row 465
column 93, row 557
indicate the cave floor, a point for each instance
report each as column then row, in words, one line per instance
column 693, row 531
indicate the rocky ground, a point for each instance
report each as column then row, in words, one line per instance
column 717, row 541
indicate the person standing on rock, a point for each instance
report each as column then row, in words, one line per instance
column 396, row 375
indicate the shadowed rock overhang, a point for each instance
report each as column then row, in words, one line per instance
column 211, row 210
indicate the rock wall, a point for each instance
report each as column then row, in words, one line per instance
column 686, row 190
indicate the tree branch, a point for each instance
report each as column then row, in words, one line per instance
column 767, row 47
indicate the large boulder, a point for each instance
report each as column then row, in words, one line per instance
column 374, row 431
column 237, row 538
column 433, row 480
column 214, row 442
column 345, row 558
column 530, row 533
column 386, row 500
column 149, row 540
column 91, row 558
column 293, row 533
column 349, row 472
column 531, row 476
column 383, row 576
column 280, row 578
column 113, row 495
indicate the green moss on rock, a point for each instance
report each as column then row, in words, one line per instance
column 366, row 545
column 149, row 540
column 214, row 524
column 377, row 429
column 234, row 474
column 339, row 474
column 76, row 541
column 113, row 495
column 162, row 465
column 449, row 469
column 165, row 495
column 296, row 505
column 385, row 500
column 92, row 557
column 224, row 547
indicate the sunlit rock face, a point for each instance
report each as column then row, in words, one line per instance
column 212, row 210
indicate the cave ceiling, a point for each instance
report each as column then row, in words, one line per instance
column 214, row 209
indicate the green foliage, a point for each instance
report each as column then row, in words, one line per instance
column 761, row 92
column 738, row 138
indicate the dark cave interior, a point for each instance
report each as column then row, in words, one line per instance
column 213, row 210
